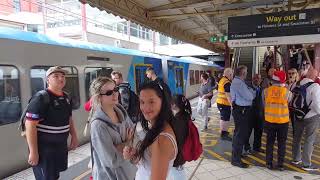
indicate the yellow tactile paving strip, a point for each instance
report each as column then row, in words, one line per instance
column 216, row 149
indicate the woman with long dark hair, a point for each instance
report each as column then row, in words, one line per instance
column 158, row 150
column 181, row 109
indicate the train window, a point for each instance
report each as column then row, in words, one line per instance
column 179, row 77
column 10, row 101
column 191, row 74
column 201, row 72
column 92, row 73
column 140, row 75
column 38, row 82
column 197, row 75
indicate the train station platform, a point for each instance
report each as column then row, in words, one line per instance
column 215, row 163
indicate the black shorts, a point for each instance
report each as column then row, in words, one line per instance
column 51, row 162
column 225, row 112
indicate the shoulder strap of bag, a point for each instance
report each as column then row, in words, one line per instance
column 91, row 152
column 306, row 86
column 46, row 100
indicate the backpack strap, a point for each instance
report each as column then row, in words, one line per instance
column 306, row 86
column 293, row 85
column 46, row 100
column 67, row 95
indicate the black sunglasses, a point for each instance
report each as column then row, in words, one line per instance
column 110, row 92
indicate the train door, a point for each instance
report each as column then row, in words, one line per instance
column 179, row 83
column 140, row 74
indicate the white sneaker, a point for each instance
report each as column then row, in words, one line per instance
column 296, row 162
column 310, row 168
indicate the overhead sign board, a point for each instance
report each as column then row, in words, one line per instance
column 290, row 27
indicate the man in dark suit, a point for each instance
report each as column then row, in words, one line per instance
column 256, row 118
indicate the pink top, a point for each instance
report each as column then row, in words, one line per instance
column 88, row 105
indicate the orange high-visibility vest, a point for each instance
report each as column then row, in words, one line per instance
column 222, row 97
column 276, row 108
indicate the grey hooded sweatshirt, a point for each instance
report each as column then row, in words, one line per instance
column 108, row 161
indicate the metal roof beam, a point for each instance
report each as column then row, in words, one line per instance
column 194, row 14
column 245, row 5
column 182, row 3
column 223, row 9
column 180, row 20
column 185, row 7
column 134, row 12
column 203, row 36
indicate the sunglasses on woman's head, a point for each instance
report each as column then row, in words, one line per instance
column 110, row 92
column 160, row 86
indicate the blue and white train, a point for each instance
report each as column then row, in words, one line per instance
column 25, row 57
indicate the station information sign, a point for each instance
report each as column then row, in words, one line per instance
column 290, row 27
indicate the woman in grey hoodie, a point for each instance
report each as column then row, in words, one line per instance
column 111, row 130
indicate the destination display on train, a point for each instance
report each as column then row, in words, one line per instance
column 292, row 27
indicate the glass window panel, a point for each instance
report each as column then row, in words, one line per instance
column 38, row 82
column 10, row 99
column 191, row 74
column 197, row 75
column 164, row 40
column 134, row 30
column 181, row 77
column 17, row 5
column 92, row 73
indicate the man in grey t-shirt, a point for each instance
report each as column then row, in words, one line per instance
column 205, row 92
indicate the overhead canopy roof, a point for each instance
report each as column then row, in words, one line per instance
column 194, row 21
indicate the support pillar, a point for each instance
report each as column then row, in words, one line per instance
column 285, row 57
column 128, row 30
column 226, row 56
column 44, row 16
column 84, row 21
column 153, row 41
column 275, row 62
column 317, row 56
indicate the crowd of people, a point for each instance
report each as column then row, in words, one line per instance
column 269, row 105
column 119, row 152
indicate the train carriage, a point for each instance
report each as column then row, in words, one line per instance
column 25, row 57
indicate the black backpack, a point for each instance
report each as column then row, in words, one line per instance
column 298, row 104
column 132, row 105
column 213, row 82
column 46, row 99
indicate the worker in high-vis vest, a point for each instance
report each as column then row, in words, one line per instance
column 276, row 114
column 224, row 103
